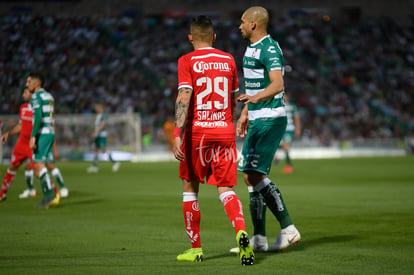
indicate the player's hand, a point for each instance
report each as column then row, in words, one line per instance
column 4, row 137
column 242, row 124
column 178, row 152
column 32, row 143
column 247, row 99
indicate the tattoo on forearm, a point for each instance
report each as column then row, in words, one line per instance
column 181, row 107
column 180, row 114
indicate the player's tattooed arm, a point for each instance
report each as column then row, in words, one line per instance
column 181, row 107
column 181, row 113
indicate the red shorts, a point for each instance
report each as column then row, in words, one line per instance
column 215, row 161
column 21, row 152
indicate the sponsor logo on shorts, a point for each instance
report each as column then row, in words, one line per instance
column 208, row 154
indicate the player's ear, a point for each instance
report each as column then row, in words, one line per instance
column 253, row 25
column 190, row 38
column 214, row 37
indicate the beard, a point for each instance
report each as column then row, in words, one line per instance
column 245, row 35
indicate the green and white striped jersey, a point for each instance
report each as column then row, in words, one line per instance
column 101, row 117
column 260, row 58
column 43, row 106
column 291, row 111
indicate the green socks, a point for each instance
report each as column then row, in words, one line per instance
column 46, row 184
column 28, row 174
column 58, row 176
column 258, row 213
column 288, row 160
column 274, row 201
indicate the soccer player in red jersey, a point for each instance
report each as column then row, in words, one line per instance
column 23, row 152
column 204, row 135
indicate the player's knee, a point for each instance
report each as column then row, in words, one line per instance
column 13, row 167
column 50, row 166
column 38, row 166
column 246, row 179
column 253, row 178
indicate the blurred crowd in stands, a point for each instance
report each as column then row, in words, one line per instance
column 350, row 80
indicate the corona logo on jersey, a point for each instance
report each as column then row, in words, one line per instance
column 201, row 66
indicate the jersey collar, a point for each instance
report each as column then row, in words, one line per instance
column 264, row 37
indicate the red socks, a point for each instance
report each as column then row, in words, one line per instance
column 8, row 178
column 191, row 213
column 234, row 210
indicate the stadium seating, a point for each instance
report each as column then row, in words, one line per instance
column 350, row 81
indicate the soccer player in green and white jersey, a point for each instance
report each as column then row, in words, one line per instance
column 263, row 123
column 100, row 136
column 43, row 136
column 293, row 129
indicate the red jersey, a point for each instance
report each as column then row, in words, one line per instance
column 25, row 116
column 212, row 75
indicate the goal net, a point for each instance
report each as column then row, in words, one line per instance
column 73, row 134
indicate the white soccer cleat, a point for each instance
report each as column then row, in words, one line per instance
column 92, row 169
column 287, row 237
column 115, row 166
column 28, row 193
column 64, row 192
column 258, row 243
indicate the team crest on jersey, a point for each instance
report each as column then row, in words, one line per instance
column 254, row 53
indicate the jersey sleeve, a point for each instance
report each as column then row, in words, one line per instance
column 37, row 113
column 184, row 73
column 20, row 113
column 235, row 82
column 272, row 57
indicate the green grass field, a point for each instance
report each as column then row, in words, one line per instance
column 356, row 216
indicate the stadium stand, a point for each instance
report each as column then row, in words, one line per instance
column 352, row 79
